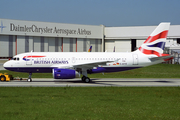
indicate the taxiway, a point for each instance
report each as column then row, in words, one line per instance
column 120, row 82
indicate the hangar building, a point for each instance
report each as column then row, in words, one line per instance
column 130, row 38
column 17, row 36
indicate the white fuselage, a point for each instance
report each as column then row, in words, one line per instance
column 35, row 61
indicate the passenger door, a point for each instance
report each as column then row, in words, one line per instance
column 135, row 59
column 29, row 59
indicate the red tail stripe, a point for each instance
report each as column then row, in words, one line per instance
column 158, row 36
column 150, row 52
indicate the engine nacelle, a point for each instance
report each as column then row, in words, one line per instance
column 65, row 74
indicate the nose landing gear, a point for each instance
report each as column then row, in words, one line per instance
column 29, row 78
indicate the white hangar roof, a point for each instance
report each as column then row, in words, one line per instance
column 137, row 32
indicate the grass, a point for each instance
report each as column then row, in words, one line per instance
column 105, row 103
column 34, row 103
column 154, row 71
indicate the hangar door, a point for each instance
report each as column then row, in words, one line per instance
column 139, row 43
column 119, row 45
column 109, row 45
column 123, row 45
column 4, row 46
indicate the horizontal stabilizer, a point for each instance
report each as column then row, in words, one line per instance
column 165, row 58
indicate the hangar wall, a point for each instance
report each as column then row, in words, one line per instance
column 17, row 36
column 7, row 45
column 119, row 45
column 12, row 45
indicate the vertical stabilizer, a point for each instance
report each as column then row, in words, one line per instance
column 155, row 43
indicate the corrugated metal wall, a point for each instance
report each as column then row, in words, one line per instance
column 20, row 44
column 7, row 45
column 139, row 42
column 83, row 45
column 120, row 45
column 45, row 44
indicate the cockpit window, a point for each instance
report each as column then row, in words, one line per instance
column 16, row 59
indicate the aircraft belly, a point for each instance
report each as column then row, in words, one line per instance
column 31, row 69
column 112, row 69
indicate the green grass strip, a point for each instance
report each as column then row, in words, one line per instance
column 106, row 103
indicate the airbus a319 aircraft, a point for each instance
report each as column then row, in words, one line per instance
column 68, row 65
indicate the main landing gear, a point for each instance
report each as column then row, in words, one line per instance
column 85, row 79
column 29, row 78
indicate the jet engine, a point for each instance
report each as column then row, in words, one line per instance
column 65, row 74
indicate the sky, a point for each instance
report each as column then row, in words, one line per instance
column 113, row 13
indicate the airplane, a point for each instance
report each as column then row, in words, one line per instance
column 69, row 65
column 90, row 49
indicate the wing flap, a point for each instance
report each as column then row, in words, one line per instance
column 89, row 65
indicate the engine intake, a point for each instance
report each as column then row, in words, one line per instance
column 65, row 74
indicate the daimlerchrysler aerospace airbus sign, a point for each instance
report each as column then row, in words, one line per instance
column 17, row 27
column 46, row 29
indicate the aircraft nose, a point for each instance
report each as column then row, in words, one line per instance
column 6, row 64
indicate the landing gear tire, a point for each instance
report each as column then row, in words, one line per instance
column 29, row 80
column 83, row 78
column 87, row 80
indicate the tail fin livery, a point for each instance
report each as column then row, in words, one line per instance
column 90, row 49
column 155, row 43
column 114, row 49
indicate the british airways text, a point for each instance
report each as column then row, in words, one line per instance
column 50, row 62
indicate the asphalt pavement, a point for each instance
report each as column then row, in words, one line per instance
column 100, row 82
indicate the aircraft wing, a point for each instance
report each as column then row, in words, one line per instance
column 91, row 65
column 165, row 58
column 80, row 66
